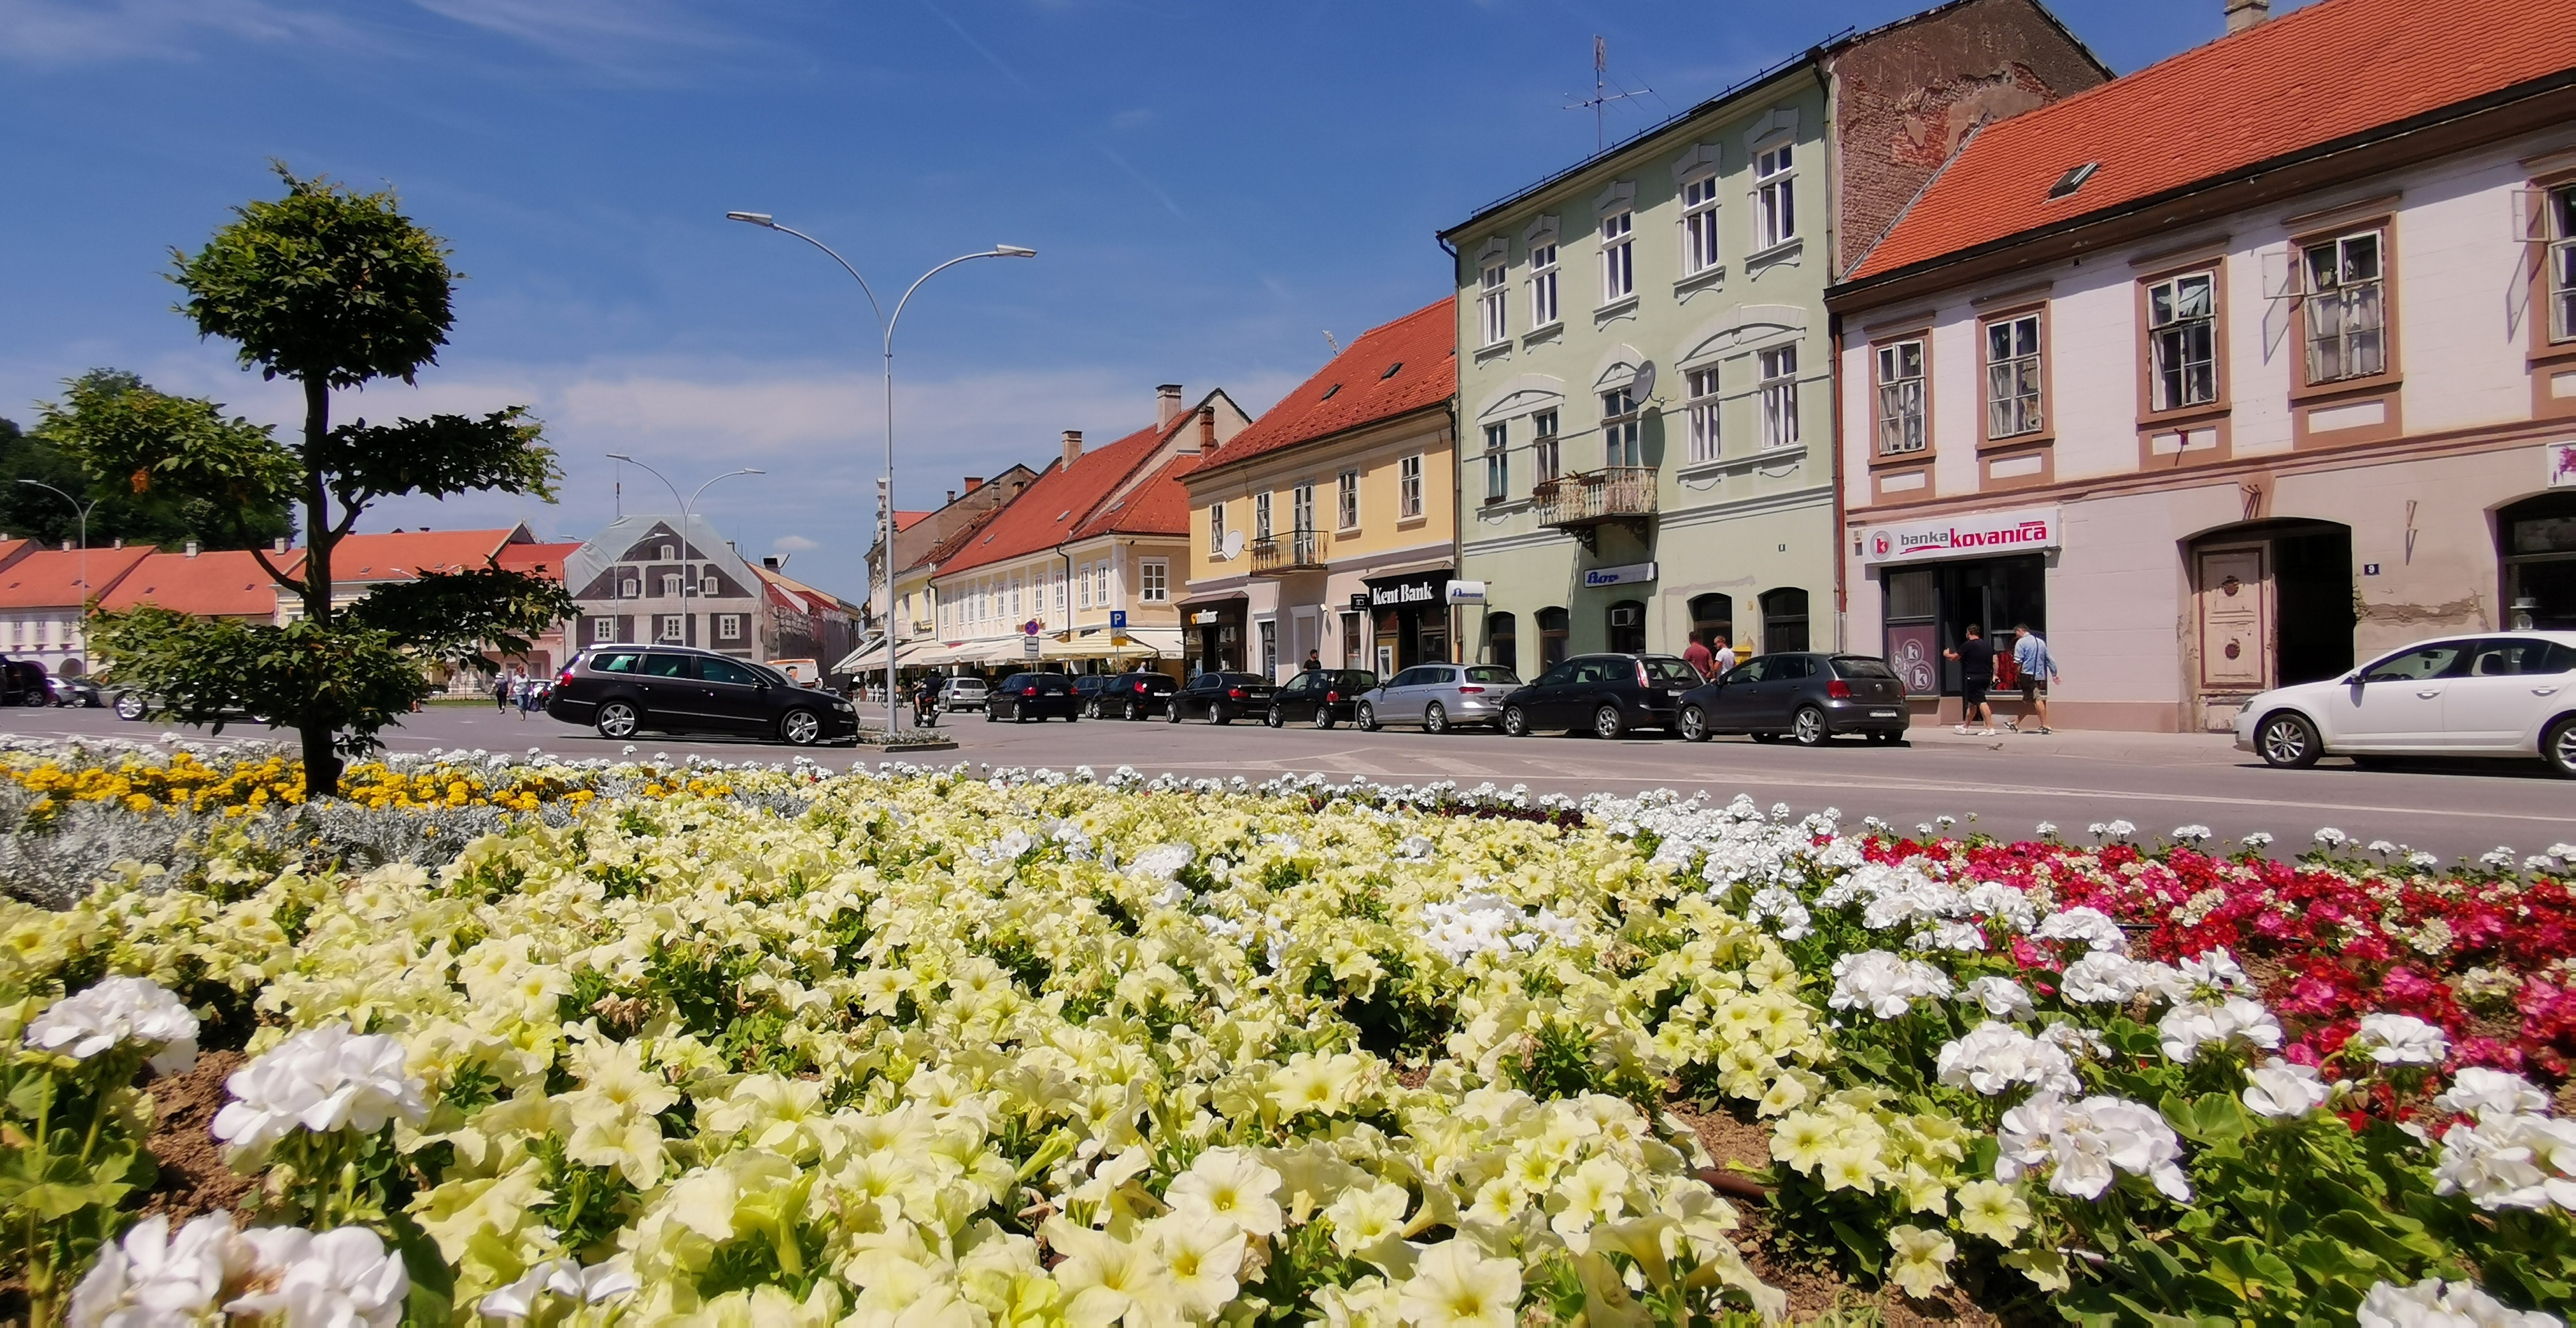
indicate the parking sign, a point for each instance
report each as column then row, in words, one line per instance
column 1117, row 620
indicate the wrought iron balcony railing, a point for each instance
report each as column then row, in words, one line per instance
column 1615, row 493
column 1296, row 551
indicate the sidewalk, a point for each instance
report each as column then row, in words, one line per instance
column 2161, row 748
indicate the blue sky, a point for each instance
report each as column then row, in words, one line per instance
column 1210, row 187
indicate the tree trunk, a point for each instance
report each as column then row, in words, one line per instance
column 321, row 763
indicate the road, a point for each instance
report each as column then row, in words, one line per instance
column 2009, row 784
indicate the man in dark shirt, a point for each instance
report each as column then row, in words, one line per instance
column 1976, row 674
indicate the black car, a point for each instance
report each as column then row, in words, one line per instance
column 626, row 690
column 1136, row 695
column 1606, row 694
column 1220, row 698
column 1026, row 696
column 1811, row 697
column 1321, row 697
column 22, row 682
column 1087, row 687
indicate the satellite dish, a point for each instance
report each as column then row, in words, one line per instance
column 1233, row 545
column 1642, row 387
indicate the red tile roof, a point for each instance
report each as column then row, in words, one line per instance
column 1356, row 387
column 51, row 578
column 214, row 584
column 403, row 554
column 2323, row 73
column 1062, row 499
column 906, row 520
column 1159, row 506
column 546, row 560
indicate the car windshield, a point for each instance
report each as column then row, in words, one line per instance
column 1666, row 671
column 1862, row 666
column 1493, row 674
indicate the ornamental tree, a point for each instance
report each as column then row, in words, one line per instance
column 329, row 288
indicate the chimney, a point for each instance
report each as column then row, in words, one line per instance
column 1207, row 428
column 952, row 497
column 1167, row 404
column 2243, row 14
column 67, row 546
column 974, row 482
column 1072, row 447
column 192, row 548
column 119, row 544
column 277, row 545
column 770, row 562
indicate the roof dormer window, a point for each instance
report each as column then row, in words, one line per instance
column 2073, row 179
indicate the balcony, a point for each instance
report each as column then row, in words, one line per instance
column 1296, row 551
column 1582, row 503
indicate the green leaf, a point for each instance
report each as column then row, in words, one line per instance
column 1866, row 1253
column 32, row 1096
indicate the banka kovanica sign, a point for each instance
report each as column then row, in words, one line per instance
column 1974, row 535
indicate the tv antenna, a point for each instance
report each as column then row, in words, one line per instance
column 1328, row 340
column 1602, row 96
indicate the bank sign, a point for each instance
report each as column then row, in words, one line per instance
column 1408, row 592
column 1974, row 535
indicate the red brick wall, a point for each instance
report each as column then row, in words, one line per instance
column 1909, row 95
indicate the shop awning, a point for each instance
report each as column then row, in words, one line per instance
column 1099, row 643
column 872, row 656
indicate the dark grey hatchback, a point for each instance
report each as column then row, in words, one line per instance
column 626, row 690
column 1809, row 697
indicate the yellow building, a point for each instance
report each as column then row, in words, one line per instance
column 1330, row 526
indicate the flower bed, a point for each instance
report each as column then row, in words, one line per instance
column 773, row 1046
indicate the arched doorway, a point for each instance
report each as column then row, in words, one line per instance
column 2272, row 604
column 2536, row 541
column 1784, row 620
column 1627, row 623
column 1713, row 619
column 1553, row 625
column 1502, row 641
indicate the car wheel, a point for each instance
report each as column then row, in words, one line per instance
column 1808, row 727
column 1091, row 708
column 1765, row 737
column 2288, row 741
column 992, row 715
column 1172, row 712
column 619, row 719
column 1216, row 714
column 1324, row 715
column 1273, row 718
column 1607, row 722
column 129, row 706
column 1694, row 724
column 1132, row 712
column 801, row 728
column 2558, row 747
column 1515, row 722
column 1435, row 718
column 1365, row 717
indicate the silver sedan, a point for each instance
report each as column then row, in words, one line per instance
column 1439, row 697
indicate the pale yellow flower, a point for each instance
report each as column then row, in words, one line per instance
column 1919, row 1259
column 1456, row 1286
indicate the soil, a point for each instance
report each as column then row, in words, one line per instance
column 193, row 1177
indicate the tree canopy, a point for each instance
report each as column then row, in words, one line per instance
column 110, row 404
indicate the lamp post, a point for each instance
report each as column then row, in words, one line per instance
column 686, row 505
column 84, row 509
column 887, row 323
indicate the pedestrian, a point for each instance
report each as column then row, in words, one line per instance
column 1314, row 662
column 519, row 694
column 2038, row 668
column 1702, row 660
column 500, row 691
column 1976, row 674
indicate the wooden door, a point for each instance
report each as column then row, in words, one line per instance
column 2235, row 611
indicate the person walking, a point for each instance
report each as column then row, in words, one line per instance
column 1697, row 654
column 1976, row 674
column 501, row 691
column 2038, row 669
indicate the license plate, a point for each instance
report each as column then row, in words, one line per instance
column 1882, row 714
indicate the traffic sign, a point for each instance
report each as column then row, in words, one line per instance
column 1028, row 647
column 1117, row 620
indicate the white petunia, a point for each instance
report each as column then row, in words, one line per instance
column 2090, row 926
column 322, row 1079
column 2103, row 978
column 338, row 1279
column 115, row 1010
column 2085, row 1145
column 1884, row 984
column 2402, row 1039
column 2278, row 1090
column 152, row 1277
column 1998, row 1058
column 2001, row 997
column 2188, row 1027
column 2433, row 1303
column 2479, row 1091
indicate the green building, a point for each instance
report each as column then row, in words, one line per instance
column 1645, row 405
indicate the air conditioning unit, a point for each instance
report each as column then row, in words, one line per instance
column 1627, row 615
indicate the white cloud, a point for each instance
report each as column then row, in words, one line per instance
column 54, row 32
column 793, row 544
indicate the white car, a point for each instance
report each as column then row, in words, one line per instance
column 962, row 694
column 2475, row 694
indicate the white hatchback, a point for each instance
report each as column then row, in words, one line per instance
column 2476, row 694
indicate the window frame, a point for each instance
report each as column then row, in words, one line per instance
column 603, row 630
column 2557, row 200
column 2551, row 238
column 1261, row 527
column 1778, row 394
column 1775, row 195
column 1702, row 251
column 2382, row 233
column 1621, row 433
column 1617, row 234
column 2150, row 358
column 1301, row 507
column 1153, row 580
column 2041, row 423
column 1498, row 461
column 1408, row 487
column 1216, row 528
column 728, row 626
column 1493, row 288
column 671, row 583
column 1881, row 385
column 1346, row 501
column 1547, row 447
column 670, row 629
column 1704, row 411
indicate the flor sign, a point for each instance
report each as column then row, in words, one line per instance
column 1968, row 536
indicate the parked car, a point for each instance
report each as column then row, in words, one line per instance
column 1087, row 686
column 1810, row 696
column 1026, row 696
column 1607, row 694
column 2484, row 694
column 1219, row 698
column 962, row 694
column 1321, row 697
column 22, row 682
column 1440, row 697
column 1138, row 695
column 625, row 690
column 74, row 692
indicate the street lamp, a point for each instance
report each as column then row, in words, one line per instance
column 84, row 510
column 687, row 577
column 765, row 221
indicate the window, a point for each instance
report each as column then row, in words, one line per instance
column 1780, row 396
column 1703, row 414
column 728, row 626
column 1408, row 486
column 1545, row 463
column 1618, row 257
column 603, row 629
column 1082, row 586
column 2012, row 376
column 1713, row 620
column 1057, row 577
column 1350, row 639
column 2561, row 234
column 1552, row 625
column 670, row 584
column 1502, row 640
column 1216, row 528
column 669, row 627
column 1542, row 284
column 1489, row 303
column 1261, row 516
column 728, row 672
column 1900, row 398
column 1620, row 445
column 1784, row 620
column 1498, row 462
column 1627, row 624
column 1699, row 224
column 2182, row 350
column 1776, row 206
column 630, row 588
column 665, row 555
column 708, row 585
column 2345, row 308
column 1150, row 580
column 1301, row 505
column 1348, row 496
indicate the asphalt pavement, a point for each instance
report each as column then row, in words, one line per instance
column 2005, row 785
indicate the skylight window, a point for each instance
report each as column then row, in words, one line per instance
column 1328, row 392
column 2073, row 179
column 1063, row 514
column 1390, row 371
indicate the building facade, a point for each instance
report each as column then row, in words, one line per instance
column 639, row 581
column 44, row 594
column 921, row 537
column 1330, row 525
column 2221, row 421
column 1644, row 363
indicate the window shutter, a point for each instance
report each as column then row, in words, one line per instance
column 2284, row 276
column 2533, row 220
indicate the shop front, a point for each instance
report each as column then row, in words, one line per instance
column 1214, row 629
column 1409, row 618
column 1936, row 577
